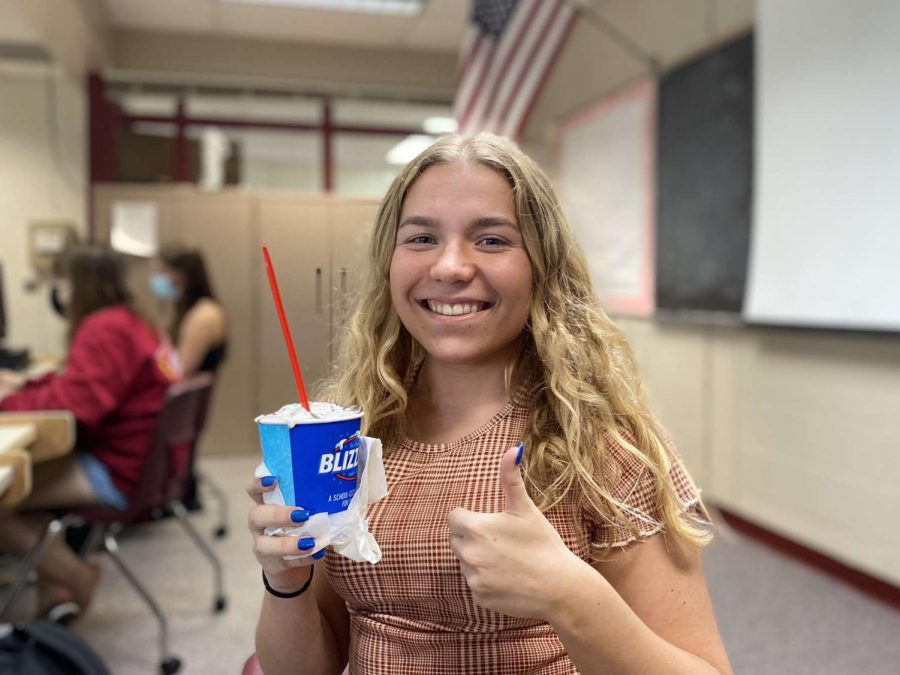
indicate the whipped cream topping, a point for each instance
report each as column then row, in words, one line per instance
column 322, row 411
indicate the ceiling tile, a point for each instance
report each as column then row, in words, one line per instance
column 308, row 25
column 162, row 15
column 438, row 28
column 441, row 27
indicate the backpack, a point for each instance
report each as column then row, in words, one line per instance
column 46, row 648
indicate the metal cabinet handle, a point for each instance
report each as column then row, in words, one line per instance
column 318, row 290
column 343, row 280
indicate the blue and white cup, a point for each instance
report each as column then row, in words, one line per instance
column 314, row 458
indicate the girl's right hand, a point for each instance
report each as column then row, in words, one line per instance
column 283, row 575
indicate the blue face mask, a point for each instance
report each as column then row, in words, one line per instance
column 163, row 287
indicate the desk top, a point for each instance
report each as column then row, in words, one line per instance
column 7, row 476
column 53, row 435
column 16, row 436
column 15, row 464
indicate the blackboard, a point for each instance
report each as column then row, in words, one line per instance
column 705, row 180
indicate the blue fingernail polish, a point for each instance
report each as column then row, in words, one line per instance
column 300, row 515
column 306, row 543
column 268, row 481
column 519, row 455
column 318, row 555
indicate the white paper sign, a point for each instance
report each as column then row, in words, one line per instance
column 49, row 242
column 135, row 228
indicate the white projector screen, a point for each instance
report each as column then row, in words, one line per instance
column 825, row 242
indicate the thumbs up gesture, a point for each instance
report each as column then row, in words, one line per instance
column 514, row 561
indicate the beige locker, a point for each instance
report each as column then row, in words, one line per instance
column 352, row 223
column 297, row 233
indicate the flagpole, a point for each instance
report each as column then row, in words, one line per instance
column 616, row 35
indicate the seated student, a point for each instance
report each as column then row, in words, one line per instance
column 200, row 325
column 114, row 382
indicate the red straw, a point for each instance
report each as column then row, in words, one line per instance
column 285, row 329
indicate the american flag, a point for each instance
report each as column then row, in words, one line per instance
column 507, row 53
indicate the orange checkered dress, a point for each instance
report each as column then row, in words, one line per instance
column 412, row 613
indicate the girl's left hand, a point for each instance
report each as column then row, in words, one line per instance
column 515, row 562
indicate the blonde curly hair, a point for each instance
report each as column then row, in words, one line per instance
column 578, row 371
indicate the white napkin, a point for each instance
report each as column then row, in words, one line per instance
column 346, row 532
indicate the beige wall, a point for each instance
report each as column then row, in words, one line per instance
column 40, row 180
column 795, row 430
column 43, row 148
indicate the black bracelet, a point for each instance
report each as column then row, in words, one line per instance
column 279, row 594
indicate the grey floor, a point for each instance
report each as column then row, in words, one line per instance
column 777, row 616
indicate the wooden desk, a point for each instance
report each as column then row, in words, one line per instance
column 54, row 432
column 15, row 462
column 14, row 436
column 7, row 478
column 28, row 438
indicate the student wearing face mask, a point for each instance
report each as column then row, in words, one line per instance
column 200, row 326
column 114, row 381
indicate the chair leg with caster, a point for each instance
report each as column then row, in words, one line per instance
column 221, row 530
column 168, row 664
column 181, row 515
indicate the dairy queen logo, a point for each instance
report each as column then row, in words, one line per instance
column 343, row 463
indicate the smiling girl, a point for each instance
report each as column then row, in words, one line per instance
column 539, row 519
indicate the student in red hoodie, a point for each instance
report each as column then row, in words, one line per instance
column 114, row 382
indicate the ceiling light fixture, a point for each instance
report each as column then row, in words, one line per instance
column 408, row 149
column 440, row 125
column 394, row 7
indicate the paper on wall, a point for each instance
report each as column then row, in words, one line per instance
column 135, row 228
